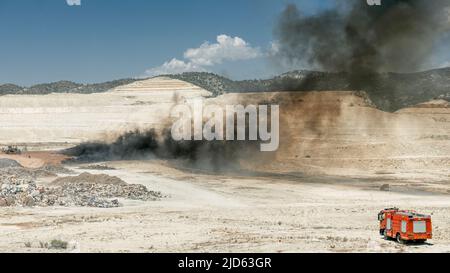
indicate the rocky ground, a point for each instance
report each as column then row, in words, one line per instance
column 219, row 213
column 19, row 187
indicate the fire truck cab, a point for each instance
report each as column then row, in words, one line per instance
column 405, row 225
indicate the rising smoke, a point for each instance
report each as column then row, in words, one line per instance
column 361, row 40
column 356, row 40
column 217, row 156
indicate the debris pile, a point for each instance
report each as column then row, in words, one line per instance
column 87, row 178
column 100, row 167
column 19, row 188
column 55, row 169
column 12, row 150
column 8, row 163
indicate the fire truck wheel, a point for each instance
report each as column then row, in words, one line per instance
column 382, row 232
column 399, row 239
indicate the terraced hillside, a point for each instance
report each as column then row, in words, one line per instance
column 388, row 91
column 64, row 119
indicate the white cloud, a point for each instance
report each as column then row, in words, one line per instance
column 173, row 66
column 227, row 48
column 73, row 2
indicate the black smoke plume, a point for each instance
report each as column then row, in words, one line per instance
column 138, row 145
column 362, row 41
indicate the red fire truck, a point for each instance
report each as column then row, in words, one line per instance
column 405, row 225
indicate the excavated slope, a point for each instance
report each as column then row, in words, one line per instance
column 49, row 121
column 341, row 133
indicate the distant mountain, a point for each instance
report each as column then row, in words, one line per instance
column 10, row 89
column 388, row 91
column 63, row 87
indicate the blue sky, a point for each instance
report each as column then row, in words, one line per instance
column 100, row 40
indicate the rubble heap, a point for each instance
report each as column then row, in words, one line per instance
column 19, row 188
column 8, row 163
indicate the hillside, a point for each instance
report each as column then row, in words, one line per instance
column 339, row 133
column 388, row 91
column 60, row 119
column 62, row 87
